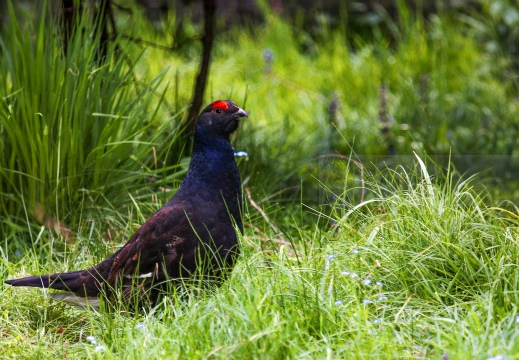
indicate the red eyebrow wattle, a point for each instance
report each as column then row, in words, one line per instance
column 220, row 105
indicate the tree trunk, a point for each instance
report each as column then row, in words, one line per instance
column 201, row 79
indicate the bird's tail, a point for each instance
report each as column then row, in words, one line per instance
column 71, row 281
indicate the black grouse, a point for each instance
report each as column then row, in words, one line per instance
column 193, row 234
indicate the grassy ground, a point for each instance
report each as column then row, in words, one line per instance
column 418, row 262
column 421, row 270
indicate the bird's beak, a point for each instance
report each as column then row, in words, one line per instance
column 241, row 113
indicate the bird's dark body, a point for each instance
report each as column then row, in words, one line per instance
column 194, row 233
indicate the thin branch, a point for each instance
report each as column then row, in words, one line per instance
column 265, row 216
column 265, row 237
column 201, row 79
column 68, row 13
column 122, row 8
column 295, row 187
column 111, row 17
column 158, row 46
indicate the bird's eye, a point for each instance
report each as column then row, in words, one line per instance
column 218, row 111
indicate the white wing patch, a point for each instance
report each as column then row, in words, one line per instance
column 142, row 276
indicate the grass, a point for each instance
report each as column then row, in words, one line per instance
column 70, row 133
column 422, row 269
column 420, row 263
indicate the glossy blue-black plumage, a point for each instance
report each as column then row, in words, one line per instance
column 193, row 233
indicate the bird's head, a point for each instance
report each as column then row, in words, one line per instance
column 220, row 118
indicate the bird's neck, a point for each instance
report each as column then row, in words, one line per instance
column 212, row 162
column 213, row 172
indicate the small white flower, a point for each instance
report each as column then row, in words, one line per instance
column 344, row 272
column 376, row 321
column 366, row 301
column 382, row 298
column 354, row 275
column 354, row 251
column 338, row 302
column 497, row 357
column 140, row 326
column 99, row 348
column 517, row 319
column 366, row 282
column 92, row 339
column 331, row 257
column 379, row 283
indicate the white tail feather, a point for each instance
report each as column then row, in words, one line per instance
column 78, row 301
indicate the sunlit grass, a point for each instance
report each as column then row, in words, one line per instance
column 424, row 268
column 420, row 263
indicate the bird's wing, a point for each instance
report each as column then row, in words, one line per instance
column 162, row 239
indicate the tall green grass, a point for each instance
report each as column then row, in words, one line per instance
column 74, row 130
column 420, row 263
column 443, row 95
column 423, row 269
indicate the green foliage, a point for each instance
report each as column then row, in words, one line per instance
column 444, row 93
column 447, row 244
column 416, row 263
column 497, row 26
column 422, row 269
column 73, row 128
